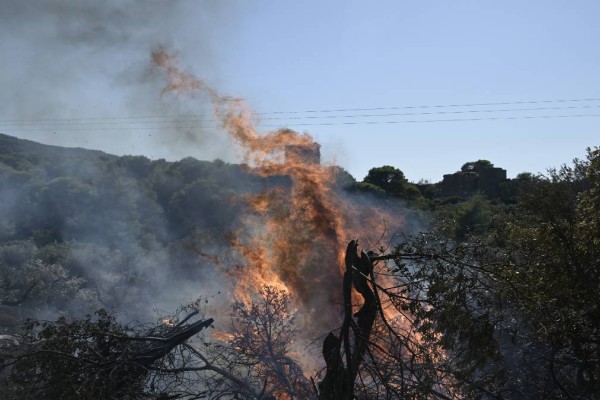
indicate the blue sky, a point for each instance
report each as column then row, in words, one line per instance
column 91, row 61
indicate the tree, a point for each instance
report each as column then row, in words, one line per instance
column 387, row 177
column 506, row 310
column 28, row 285
column 468, row 217
column 383, row 350
column 448, row 295
column 476, row 165
column 263, row 333
column 554, row 259
column 516, row 302
column 251, row 360
column 392, row 181
column 98, row 358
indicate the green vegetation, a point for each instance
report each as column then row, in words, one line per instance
column 107, row 224
column 515, row 291
column 389, row 181
column 502, row 287
column 476, row 165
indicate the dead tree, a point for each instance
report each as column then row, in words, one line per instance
column 338, row 383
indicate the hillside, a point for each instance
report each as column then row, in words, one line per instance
column 475, row 285
column 114, row 226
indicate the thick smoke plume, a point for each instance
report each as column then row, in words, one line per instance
column 71, row 70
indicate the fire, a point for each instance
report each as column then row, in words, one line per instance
column 295, row 234
column 167, row 322
column 223, row 336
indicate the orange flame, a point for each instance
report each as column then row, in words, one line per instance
column 295, row 235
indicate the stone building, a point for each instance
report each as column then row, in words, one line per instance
column 309, row 154
column 464, row 183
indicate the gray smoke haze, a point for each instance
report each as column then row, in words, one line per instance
column 71, row 60
column 105, row 258
column 65, row 60
column 75, row 60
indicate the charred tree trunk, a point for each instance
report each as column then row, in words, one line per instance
column 338, row 383
column 154, row 348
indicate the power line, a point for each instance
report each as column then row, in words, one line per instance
column 435, row 106
column 131, row 119
column 87, row 125
column 324, row 123
column 440, row 120
column 433, row 113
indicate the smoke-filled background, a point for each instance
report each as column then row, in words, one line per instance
column 84, row 229
column 65, row 61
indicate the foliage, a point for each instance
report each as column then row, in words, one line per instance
column 471, row 216
column 446, row 294
column 32, row 285
column 555, row 261
column 37, row 283
column 476, row 165
column 516, row 302
column 264, row 334
column 256, row 352
column 497, row 301
column 387, row 177
column 68, row 360
column 386, row 355
column 112, row 223
column 366, row 187
column 99, row 358
column 392, row 181
column 60, row 195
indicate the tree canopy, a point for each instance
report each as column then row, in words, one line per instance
column 476, row 165
column 392, row 181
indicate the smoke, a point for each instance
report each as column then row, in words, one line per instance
column 64, row 61
column 293, row 235
column 68, row 61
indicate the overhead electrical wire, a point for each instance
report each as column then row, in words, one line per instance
column 174, row 120
column 432, row 113
column 179, row 121
column 440, row 120
column 323, row 123
column 436, row 106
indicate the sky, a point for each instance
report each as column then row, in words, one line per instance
column 375, row 83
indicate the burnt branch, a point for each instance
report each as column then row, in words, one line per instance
column 338, row 383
